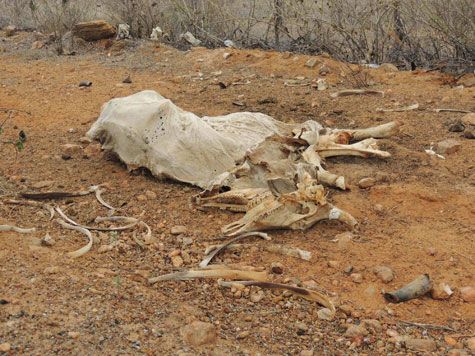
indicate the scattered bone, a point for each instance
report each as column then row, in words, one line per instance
column 48, row 240
column 17, row 229
column 212, row 273
column 210, row 256
column 419, row 287
column 356, row 92
column 307, row 294
column 83, row 250
column 406, row 108
column 273, row 248
column 453, row 110
column 130, row 221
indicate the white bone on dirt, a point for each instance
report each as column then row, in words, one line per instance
column 258, row 160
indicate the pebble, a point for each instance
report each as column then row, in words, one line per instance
column 441, row 291
column 306, row 353
column 457, row 352
column 51, row 270
column 104, row 248
column 384, row 273
column 92, row 150
column 199, row 333
column 468, row 294
column 48, row 240
column 366, row 183
column 177, row 261
column 174, row 253
column 372, row 324
column 43, row 184
column 312, row 62
column 357, row 277
column 388, row 67
column 333, row 264
column 355, row 330
column 243, row 334
column 256, row 297
column 468, row 119
column 471, row 343
column 178, row 229
column 133, row 337
column 456, row 127
column 277, row 268
column 469, row 134
column 348, row 269
column 447, row 146
column 450, row 341
column 347, row 309
column 151, row 195
column 325, row 314
column 5, row 347
column 142, row 197
column 70, row 147
column 421, row 344
column 85, row 140
column 73, row 334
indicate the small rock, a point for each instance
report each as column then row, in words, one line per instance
column 43, row 184
column 10, row 30
column 5, row 347
column 450, row 341
column 243, row 334
column 85, row 140
column 456, row 127
column 468, row 294
column 357, row 277
column 348, row 269
column 468, row 119
column 177, row 261
column 256, row 297
column 447, row 147
column 372, row 324
column 104, row 249
column 93, row 149
column 355, row 330
column 151, row 195
column 384, row 273
column 48, row 240
column 178, row 229
column 333, row 264
column 227, row 55
column 174, row 253
column 188, row 37
column 325, row 314
column 421, row 344
column 324, row 69
column 441, row 291
column 366, row 183
column 469, row 134
column 69, row 148
column 37, row 45
column 370, row 291
column 127, row 80
column 312, row 62
column 73, row 334
column 301, row 326
column 277, row 268
column 471, row 343
column 345, row 308
column 51, row 270
column 133, row 337
column 469, row 82
column 388, row 67
column 85, row 83
column 343, row 239
column 199, row 333
column 306, row 353
column 142, row 197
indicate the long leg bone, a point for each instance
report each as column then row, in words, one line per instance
column 17, row 229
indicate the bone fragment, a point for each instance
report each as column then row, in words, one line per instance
column 213, row 273
column 453, row 110
column 58, row 195
column 420, row 286
column 84, row 249
column 380, row 131
column 131, row 222
column 406, row 108
column 213, row 254
column 355, row 92
column 300, row 292
column 98, row 191
column 273, row 248
column 17, row 229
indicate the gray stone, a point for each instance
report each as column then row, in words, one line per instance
column 384, row 273
column 199, row 333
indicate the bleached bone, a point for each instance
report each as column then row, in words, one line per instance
column 17, row 229
column 234, row 200
column 366, row 148
column 296, row 211
column 355, row 92
column 213, row 273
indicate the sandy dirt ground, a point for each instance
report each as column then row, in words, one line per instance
column 418, row 218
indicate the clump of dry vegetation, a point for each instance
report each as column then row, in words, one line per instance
column 427, row 32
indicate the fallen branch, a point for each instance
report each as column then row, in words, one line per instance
column 17, row 229
column 406, row 108
column 213, row 273
column 428, row 326
column 356, row 92
column 221, row 248
column 82, row 250
column 300, row 292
